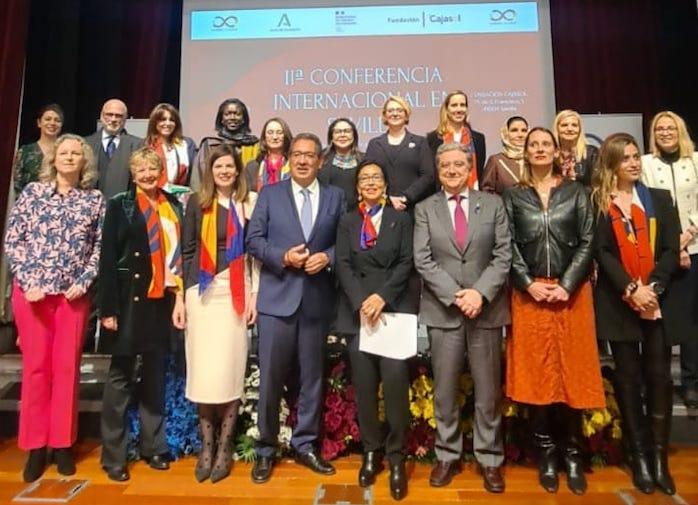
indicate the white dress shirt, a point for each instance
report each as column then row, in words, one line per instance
column 105, row 140
column 452, row 205
column 314, row 188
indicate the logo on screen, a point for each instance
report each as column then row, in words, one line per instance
column 284, row 21
column 225, row 23
column 505, row 16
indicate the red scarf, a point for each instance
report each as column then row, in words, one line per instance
column 369, row 235
column 181, row 177
column 466, row 139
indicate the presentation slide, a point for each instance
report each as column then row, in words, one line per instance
column 310, row 62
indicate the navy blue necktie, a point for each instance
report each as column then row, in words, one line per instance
column 111, row 146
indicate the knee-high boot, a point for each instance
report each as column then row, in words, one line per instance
column 635, row 434
column 660, row 405
column 574, row 461
column 539, row 418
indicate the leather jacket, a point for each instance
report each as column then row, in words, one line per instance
column 553, row 244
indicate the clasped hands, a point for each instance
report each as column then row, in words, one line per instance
column 469, row 302
column 299, row 257
column 544, row 292
column 643, row 298
column 371, row 310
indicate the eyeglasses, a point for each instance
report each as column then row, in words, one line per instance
column 666, row 129
column 365, row 179
column 342, row 131
column 303, row 154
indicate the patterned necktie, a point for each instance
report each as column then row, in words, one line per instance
column 306, row 213
column 111, row 146
column 460, row 222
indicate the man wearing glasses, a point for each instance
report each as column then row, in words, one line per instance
column 292, row 232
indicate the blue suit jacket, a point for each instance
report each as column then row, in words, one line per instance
column 273, row 229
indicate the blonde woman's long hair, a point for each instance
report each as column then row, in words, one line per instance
column 580, row 149
column 207, row 192
column 686, row 145
column 442, row 129
column 604, row 182
column 88, row 173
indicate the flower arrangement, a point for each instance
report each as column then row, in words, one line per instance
column 341, row 435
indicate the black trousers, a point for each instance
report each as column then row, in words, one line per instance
column 367, row 372
column 122, row 384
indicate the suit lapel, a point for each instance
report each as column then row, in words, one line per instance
column 321, row 211
column 292, row 203
column 443, row 216
column 473, row 216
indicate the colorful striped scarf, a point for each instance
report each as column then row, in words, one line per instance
column 234, row 253
column 271, row 172
column 163, row 227
column 466, row 139
column 636, row 234
column 369, row 235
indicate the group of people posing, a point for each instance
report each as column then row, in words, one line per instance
column 562, row 244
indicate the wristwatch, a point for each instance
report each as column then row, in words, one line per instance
column 658, row 288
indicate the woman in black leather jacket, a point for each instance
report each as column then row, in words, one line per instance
column 552, row 360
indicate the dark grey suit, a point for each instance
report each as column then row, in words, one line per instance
column 484, row 266
column 114, row 175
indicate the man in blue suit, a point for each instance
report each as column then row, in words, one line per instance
column 292, row 232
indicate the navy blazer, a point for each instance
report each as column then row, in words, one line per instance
column 409, row 166
column 273, row 229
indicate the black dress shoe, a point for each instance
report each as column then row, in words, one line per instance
column 398, row 480
column 118, row 473
column 315, row 462
column 35, row 465
column 371, row 465
column 261, row 471
column 64, row 461
column 159, row 462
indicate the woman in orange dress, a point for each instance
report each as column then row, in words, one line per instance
column 552, row 360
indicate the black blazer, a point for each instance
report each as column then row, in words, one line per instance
column 615, row 320
column 344, row 179
column 386, row 269
column 409, row 166
column 124, row 277
column 435, row 140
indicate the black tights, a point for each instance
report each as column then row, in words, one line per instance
column 221, row 418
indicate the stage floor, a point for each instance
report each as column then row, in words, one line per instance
column 295, row 485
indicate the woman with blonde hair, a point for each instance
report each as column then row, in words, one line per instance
column 176, row 151
column 454, row 126
column 405, row 157
column 638, row 306
column 504, row 169
column 53, row 245
column 577, row 158
column 672, row 164
column 220, row 282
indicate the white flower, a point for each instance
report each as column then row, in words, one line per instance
column 253, row 432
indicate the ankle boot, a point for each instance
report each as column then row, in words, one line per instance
column 35, row 465
column 635, row 433
column 64, row 461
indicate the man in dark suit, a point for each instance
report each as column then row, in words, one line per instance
column 112, row 148
column 462, row 249
column 292, row 232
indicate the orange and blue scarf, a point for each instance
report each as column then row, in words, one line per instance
column 163, row 228
column 234, row 253
column 636, row 235
column 369, row 235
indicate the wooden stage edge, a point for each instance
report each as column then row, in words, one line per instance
column 292, row 484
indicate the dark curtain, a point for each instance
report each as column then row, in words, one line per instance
column 626, row 56
column 13, row 35
column 83, row 52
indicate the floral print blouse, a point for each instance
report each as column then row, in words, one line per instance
column 53, row 241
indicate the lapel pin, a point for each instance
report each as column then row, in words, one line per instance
column 411, row 145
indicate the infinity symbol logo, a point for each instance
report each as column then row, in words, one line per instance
column 507, row 15
column 229, row 22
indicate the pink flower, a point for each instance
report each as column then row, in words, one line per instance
column 350, row 394
column 332, row 421
column 338, row 369
column 355, row 432
column 332, row 400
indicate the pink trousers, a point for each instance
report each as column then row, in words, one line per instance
column 50, row 337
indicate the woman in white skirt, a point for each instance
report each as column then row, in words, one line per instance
column 221, row 296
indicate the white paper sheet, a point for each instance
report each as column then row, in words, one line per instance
column 396, row 338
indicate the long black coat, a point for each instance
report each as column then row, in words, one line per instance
column 386, row 269
column 615, row 320
column 124, row 277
